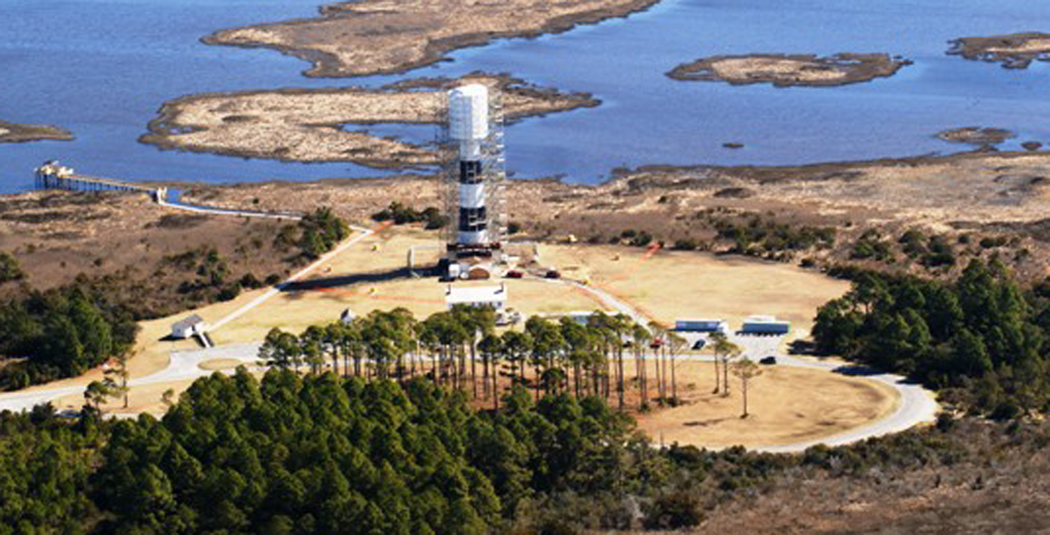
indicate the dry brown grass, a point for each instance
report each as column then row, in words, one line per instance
column 307, row 124
column 786, row 405
column 58, row 235
column 21, row 133
column 141, row 399
column 671, row 285
column 975, row 194
column 790, row 70
column 215, row 365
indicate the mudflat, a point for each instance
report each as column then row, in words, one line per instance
column 307, row 125
column 386, row 36
column 786, row 70
column 21, row 133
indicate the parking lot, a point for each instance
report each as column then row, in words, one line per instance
column 754, row 347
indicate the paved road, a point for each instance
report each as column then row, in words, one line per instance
column 917, row 405
column 276, row 290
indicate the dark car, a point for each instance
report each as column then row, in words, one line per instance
column 699, row 345
column 553, row 274
column 768, row 360
column 515, row 274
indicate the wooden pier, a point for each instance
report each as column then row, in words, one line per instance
column 53, row 176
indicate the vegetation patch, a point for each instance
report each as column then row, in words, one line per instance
column 786, row 70
column 21, row 133
column 61, row 333
column 980, row 339
column 976, row 135
column 1013, row 51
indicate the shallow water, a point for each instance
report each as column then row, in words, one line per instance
column 101, row 68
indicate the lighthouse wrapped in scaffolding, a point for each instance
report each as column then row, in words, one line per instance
column 474, row 181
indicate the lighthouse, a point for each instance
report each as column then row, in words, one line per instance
column 474, row 181
column 469, row 128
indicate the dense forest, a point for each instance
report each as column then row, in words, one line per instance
column 323, row 454
column 981, row 340
column 61, row 333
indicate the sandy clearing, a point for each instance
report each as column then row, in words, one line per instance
column 787, row 405
column 671, row 285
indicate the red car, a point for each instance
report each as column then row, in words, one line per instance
column 514, row 274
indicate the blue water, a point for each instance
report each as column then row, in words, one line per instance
column 102, row 68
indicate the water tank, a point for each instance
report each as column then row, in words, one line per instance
column 468, row 108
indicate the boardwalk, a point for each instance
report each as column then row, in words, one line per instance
column 51, row 175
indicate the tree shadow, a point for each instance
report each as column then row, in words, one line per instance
column 706, row 423
column 857, row 370
column 327, row 283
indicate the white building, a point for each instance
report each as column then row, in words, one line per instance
column 765, row 325
column 190, row 326
column 702, row 326
column 477, row 296
column 347, row 317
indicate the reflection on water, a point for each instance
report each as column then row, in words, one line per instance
column 112, row 63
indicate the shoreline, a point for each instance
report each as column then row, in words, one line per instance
column 763, row 173
column 25, row 133
column 504, row 22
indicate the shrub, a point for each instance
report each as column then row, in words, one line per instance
column 9, row 269
column 685, row 244
column 675, row 510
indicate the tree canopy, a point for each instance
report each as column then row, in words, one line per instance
column 980, row 337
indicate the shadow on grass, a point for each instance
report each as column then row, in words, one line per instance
column 857, row 370
column 327, row 283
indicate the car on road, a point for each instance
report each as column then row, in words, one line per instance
column 768, row 360
column 553, row 274
column 699, row 344
column 514, row 274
